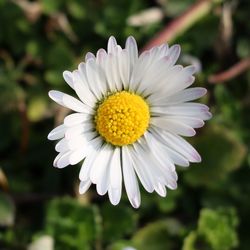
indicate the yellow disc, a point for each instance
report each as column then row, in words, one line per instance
column 122, row 118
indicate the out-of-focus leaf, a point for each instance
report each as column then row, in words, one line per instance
column 243, row 49
column 190, row 241
column 76, row 9
column 219, row 228
column 175, row 7
column 51, row 6
column 118, row 222
column 222, row 152
column 11, row 92
column 42, row 243
column 54, row 77
column 7, row 210
column 168, row 204
column 154, row 236
column 121, row 245
column 216, row 231
column 36, row 108
column 72, row 225
column 59, row 56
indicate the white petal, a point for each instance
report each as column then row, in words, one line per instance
column 63, row 160
column 81, row 140
column 76, row 118
column 160, row 171
column 115, row 169
column 112, row 44
column 68, row 77
column 57, row 158
column 112, row 73
column 141, row 167
column 84, row 186
column 88, row 162
column 103, row 184
column 87, row 76
column 89, row 55
column 159, row 153
column 174, row 53
column 139, row 70
column 131, row 47
column 100, row 164
column 68, row 101
column 163, row 50
column 78, row 155
column 176, row 143
column 195, row 110
column 96, row 79
column 151, row 74
column 185, row 95
column 130, row 180
column 108, row 72
column 82, row 88
column 181, row 81
column 115, row 70
column 84, row 151
column 57, row 133
column 161, row 190
column 62, row 146
column 172, row 126
column 124, row 65
column 103, row 179
column 78, row 129
column 114, row 195
column 101, row 56
column 158, row 79
column 187, row 120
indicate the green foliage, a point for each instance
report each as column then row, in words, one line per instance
column 120, row 245
column 72, row 225
column 158, row 235
column 117, row 222
column 222, row 153
column 7, row 210
column 41, row 39
column 216, row 231
column 154, row 236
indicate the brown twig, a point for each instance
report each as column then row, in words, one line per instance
column 230, row 73
column 32, row 197
column 182, row 23
column 24, row 126
column 3, row 181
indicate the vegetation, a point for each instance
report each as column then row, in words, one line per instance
column 40, row 207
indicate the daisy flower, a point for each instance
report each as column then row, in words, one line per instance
column 128, row 120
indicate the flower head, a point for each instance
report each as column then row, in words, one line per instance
column 128, row 120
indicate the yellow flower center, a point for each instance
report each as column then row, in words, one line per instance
column 122, row 118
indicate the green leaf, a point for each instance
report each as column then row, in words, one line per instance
column 7, row 210
column 73, row 226
column 169, row 203
column 37, row 108
column 216, row 231
column 43, row 242
column 120, row 245
column 118, row 222
column 51, row 6
column 190, row 241
column 154, row 236
column 219, row 228
column 221, row 151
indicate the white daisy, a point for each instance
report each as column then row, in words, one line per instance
column 128, row 122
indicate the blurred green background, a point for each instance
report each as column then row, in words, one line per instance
column 40, row 208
